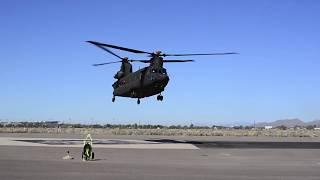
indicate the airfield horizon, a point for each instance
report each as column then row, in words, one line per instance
column 103, row 132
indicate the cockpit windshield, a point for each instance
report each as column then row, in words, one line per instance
column 160, row 71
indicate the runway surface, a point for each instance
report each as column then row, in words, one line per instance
column 197, row 158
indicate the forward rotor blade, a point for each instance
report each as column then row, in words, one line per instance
column 209, row 54
column 178, row 61
column 106, row 63
column 118, row 47
column 109, row 51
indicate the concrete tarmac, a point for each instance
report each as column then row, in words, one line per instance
column 229, row 160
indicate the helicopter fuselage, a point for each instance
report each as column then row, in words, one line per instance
column 145, row 82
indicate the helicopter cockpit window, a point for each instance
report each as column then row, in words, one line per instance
column 161, row 71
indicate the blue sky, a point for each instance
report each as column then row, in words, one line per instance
column 46, row 72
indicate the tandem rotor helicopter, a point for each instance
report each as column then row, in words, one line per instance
column 148, row 81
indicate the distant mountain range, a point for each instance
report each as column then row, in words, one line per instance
column 289, row 123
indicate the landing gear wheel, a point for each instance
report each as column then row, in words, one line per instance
column 159, row 97
column 138, row 102
column 113, row 99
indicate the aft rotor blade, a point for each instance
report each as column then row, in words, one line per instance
column 109, row 51
column 178, row 61
column 143, row 61
column 208, row 54
column 118, row 47
column 106, row 63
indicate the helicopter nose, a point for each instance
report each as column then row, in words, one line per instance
column 164, row 78
column 161, row 81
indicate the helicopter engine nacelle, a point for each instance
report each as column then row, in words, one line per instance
column 118, row 75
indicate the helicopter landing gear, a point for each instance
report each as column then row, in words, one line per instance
column 160, row 97
column 113, row 98
column 138, row 101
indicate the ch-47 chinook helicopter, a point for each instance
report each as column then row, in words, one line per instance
column 148, row 81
